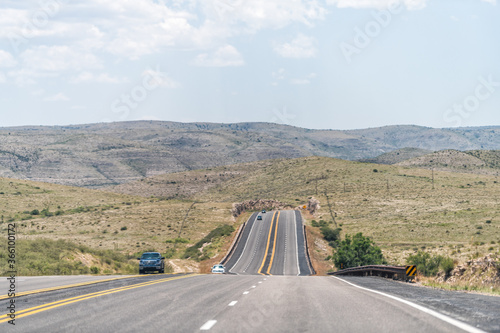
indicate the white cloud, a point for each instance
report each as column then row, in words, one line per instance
column 26, row 76
column 158, row 78
column 260, row 14
column 59, row 97
column 279, row 74
column 6, row 59
column 301, row 47
column 85, row 77
column 379, row 4
column 300, row 81
column 2, row 78
column 59, row 58
column 493, row 2
column 223, row 57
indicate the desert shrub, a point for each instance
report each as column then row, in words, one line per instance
column 447, row 264
column 332, row 236
column 428, row 265
column 357, row 250
column 193, row 252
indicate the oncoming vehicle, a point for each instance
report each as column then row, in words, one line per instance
column 151, row 261
column 263, row 211
column 218, row 269
column 259, row 217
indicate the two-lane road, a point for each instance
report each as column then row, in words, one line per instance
column 248, row 303
column 264, row 294
column 274, row 245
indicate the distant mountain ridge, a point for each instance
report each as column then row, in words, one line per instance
column 98, row 155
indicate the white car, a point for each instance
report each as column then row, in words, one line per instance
column 218, row 269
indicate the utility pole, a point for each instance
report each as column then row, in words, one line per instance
column 330, row 208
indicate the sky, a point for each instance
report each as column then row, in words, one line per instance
column 331, row 64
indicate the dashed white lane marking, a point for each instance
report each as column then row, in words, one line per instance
column 208, row 325
column 233, row 303
column 260, row 281
column 245, row 293
column 449, row 320
column 254, row 287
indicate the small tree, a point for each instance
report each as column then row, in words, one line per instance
column 357, row 250
column 332, row 236
column 428, row 265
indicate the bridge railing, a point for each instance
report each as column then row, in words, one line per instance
column 393, row 272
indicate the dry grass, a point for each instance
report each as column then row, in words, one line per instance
column 396, row 206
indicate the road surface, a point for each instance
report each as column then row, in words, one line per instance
column 274, row 245
column 246, row 303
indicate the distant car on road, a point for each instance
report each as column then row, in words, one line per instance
column 263, row 211
column 259, row 217
column 218, row 269
column 151, row 261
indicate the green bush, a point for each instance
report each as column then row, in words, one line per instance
column 428, row 265
column 178, row 240
column 447, row 264
column 357, row 250
column 193, row 252
column 94, row 270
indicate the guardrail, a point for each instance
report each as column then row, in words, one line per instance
column 393, row 272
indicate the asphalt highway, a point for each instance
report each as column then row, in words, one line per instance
column 273, row 245
column 269, row 289
column 239, row 303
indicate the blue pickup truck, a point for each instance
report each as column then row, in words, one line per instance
column 151, row 261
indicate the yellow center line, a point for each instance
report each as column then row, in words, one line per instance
column 267, row 247
column 24, row 293
column 274, row 244
column 48, row 306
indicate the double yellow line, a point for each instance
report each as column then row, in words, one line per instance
column 24, row 293
column 48, row 306
column 267, row 246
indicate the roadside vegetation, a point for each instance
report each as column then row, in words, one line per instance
column 357, row 250
column 402, row 210
column 429, row 265
column 50, row 257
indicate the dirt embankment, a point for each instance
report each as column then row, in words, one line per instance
column 260, row 204
column 481, row 271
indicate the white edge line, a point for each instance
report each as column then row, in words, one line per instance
column 245, row 247
column 208, row 325
column 233, row 303
column 449, row 320
column 296, row 243
column 246, row 292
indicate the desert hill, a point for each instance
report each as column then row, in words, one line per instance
column 99, row 155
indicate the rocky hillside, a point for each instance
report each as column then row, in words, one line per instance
column 98, row 155
column 397, row 156
column 478, row 162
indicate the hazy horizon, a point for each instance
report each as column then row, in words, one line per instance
column 329, row 64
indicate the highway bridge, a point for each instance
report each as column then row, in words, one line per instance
column 270, row 290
